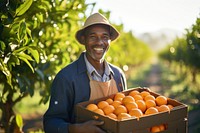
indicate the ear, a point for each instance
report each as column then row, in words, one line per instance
column 83, row 39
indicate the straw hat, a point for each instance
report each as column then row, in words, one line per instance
column 96, row 18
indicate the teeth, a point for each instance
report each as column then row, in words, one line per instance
column 98, row 49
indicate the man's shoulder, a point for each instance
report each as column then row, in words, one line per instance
column 115, row 68
column 73, row 68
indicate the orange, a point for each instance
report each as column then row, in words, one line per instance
column 122, row 116
column 116, row 104
column 102, row 104
column 137, row 97
column 120, row 109
column 119, row 96
column 136, row 112
column 112, row 115
column 144, row 94
column 127, row 99
column 163, row 108
column 162, row 127
column 99, row 111
column 108, row 109
column 170, row 106
column 151, row 110
column 133, row 93
column 161, row 100
column 155, row 129
column 91, row 107
column 130, row 106
column 141, row 105
column 149, row 97
column 150, row 103
column 109, row 100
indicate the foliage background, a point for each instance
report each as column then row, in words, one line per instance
column 37, row 40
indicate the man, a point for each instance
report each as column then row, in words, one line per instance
column 88, row 78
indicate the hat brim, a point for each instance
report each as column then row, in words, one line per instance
column 114, row 34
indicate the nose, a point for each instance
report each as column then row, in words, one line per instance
column 99, row 41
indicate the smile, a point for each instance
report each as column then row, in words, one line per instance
column 98, row 49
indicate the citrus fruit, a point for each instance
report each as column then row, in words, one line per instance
column 119, row 96
column 149, row 97
column 112, row 115
column 141, row 105
column 155, row 129
column 144, row 94
column 91, row 107
column 102, row 104
column 122, row 116
column 109, row 100
column 136, row 112
column 151, row 110
column 108, row 109
column 137, row 97
column 127, row 99
column 162, row 127
column 130, row 106
column 116, row 104
column 161, row 100
column 150, row 103
column 99, row 111
column 163, row 108
column 120, row 109
column 133, row 93
column 170, row 106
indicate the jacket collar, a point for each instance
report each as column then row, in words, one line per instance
column 81, row 64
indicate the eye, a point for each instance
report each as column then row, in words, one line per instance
column 106, row 37
column 92, row 37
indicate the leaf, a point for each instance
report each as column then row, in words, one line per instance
column 35, row 54
column 27, row 62
column 29, row 32
column 22, row 30
column 6, row 72
column 2, row 46
column 23, row 7
column 22, row 54
column 40, row 73
column 19, row 121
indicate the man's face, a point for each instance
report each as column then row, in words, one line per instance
column 97, row 42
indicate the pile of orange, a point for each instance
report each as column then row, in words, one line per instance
column 136, row 104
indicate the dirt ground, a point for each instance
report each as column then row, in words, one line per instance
column 34, row 122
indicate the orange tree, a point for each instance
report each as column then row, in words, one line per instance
column 36, row 40
column 186, row 50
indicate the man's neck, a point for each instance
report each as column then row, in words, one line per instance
column 98, row 65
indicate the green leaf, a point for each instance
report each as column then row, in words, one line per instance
column 23, row 7
column 13, row 60
column 35, row 54
column 6, row 72
column 2, row 46
column 22, row 54
column 22, row 30
column 29, row 32
column 25, row 58
column 19, row 121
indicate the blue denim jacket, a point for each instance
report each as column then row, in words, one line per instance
column 71, row 86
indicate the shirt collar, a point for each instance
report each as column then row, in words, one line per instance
column 91, row 69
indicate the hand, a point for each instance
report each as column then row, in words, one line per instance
column 87, row 127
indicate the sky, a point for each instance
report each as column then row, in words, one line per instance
column 142, row 16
